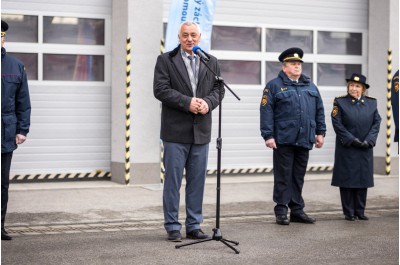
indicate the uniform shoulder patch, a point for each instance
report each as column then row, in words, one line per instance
column 264, row 100
column 335, row 110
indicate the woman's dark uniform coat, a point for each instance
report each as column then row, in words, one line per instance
column 352, row 118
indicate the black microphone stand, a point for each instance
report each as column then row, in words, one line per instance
column 217, row 235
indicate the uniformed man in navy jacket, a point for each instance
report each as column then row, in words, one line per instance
column 292, row 120
column 15, row 117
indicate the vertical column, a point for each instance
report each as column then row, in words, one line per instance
column 142, row 20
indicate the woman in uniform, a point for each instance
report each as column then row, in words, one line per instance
column 356, row 121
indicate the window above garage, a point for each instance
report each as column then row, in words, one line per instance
column 249, row 55
column 58, row 48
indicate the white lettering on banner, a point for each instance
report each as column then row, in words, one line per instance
column 199, row 11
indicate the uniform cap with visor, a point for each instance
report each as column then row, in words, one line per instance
column 358, row 78
column 4, row 28
column 291, row 55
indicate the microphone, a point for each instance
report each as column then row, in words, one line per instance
column 197, row 50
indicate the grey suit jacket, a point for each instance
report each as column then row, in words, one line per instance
column 172, row 87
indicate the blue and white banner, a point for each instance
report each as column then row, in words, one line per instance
column 199, row 11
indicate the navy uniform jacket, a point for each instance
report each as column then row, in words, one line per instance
column 352, row 118
column 292, row 113
column 395, row 104
column 15, row 102
column 172, row 87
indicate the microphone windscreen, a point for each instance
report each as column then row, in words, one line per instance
column 195, row 48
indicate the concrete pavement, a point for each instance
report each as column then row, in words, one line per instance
column 331, row 241
column 107, row 223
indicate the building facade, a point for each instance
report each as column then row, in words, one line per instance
column 75, row 54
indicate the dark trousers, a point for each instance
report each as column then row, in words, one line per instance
column 5, row 182
column 290, row 165
column 353, row 201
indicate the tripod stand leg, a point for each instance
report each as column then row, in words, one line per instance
column 231, row 241
column 192, row 243
column 231, row 247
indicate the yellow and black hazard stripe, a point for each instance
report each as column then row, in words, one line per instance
column 162, row 173
column 256, row 171
column 128, row 111
column 162, row 46
column 388, row 109
column 259, row 171
column 60, row 177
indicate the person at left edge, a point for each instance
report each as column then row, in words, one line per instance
column 15, row 117
column 188, row 92
column 395, row 106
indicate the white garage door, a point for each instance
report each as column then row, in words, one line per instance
column 66, row 50
column 248, row 37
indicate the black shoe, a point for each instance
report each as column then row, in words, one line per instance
column 197, row 234
column 362, row 217
column 282, row 220
column 302, row 218
column 174, row 236
column 349, row 218
column 5, row 236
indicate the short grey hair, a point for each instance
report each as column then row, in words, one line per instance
column 189, row 23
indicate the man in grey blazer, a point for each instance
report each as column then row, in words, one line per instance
column 188, row 92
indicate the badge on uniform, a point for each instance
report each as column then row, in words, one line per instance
column 264, row 100
column 335, row 111
column 396, row 87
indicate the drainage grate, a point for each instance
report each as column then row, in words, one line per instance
column 82, row 228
